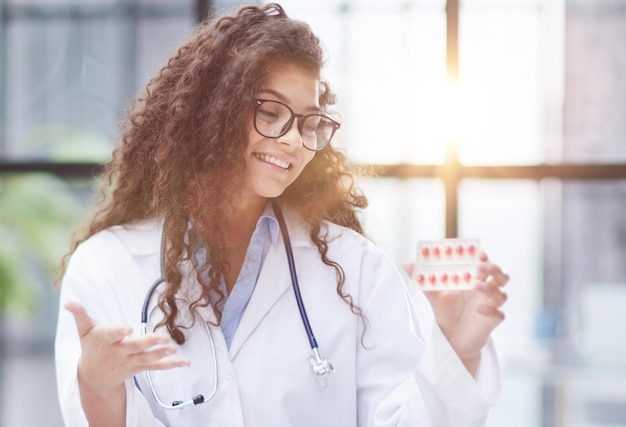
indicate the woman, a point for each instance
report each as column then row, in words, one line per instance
column 232, row 135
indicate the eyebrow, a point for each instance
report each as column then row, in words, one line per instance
column 284, row 99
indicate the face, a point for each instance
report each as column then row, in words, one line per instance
column 272, row 164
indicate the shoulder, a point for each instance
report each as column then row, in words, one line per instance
column 138, row 238
column 110, row 272
column 104, row 253
column 342, row 242
column 343, row 238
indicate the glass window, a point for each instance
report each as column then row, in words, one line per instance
column 504, row 74
column 386, row 61
column 539, row 82
column 595, row 75
column 401, row 212
column 68, row 71
column 73, row 69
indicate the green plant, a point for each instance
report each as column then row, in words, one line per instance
column 39, row 212
column 37, row 215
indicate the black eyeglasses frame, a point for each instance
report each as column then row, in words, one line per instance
column 300, row 122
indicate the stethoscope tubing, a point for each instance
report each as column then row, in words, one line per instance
column 321, row 366
column 294, row 277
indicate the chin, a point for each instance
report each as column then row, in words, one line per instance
column 272, row 194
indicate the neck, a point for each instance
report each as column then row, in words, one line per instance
column 240, row 225
column 243, row 217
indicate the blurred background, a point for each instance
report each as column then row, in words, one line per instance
column 498, row 119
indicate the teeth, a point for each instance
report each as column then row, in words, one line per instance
column 273, row 160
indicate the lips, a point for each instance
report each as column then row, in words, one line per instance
column 273, row 161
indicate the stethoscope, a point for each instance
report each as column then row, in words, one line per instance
column 321, row 367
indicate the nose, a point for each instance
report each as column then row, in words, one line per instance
column 292, row 137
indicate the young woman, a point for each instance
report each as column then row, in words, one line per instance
column 225, row 279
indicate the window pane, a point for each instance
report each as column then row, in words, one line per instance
column 594, row 128
column 71, row 74
column 390, row 88
column 510, row 64
column 507, row 217
column 401, row 212
column 594, row 244
column 66, row 81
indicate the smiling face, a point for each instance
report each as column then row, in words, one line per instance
column 272, row 164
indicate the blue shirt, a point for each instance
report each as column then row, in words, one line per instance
column 265, row 234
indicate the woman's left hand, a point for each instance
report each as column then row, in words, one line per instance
column 468, row 317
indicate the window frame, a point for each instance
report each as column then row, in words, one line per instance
column 451, row 172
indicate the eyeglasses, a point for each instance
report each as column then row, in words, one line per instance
column 273, row 119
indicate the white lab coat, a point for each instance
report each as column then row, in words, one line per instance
column 387, row 377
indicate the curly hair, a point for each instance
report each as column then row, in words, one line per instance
column 188, row 128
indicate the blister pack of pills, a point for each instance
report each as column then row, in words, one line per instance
column 446, row 264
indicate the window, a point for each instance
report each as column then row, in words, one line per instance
column 499, row 120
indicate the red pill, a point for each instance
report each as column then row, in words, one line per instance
column 444, row 278
column 471, row 249
column 437, row 251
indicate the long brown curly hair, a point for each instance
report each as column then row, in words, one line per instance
column 189, row 129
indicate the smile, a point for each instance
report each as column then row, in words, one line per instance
column 273, row 160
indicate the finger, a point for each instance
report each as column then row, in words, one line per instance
column 491, row 294
column 168, row 363
column 144, row 343
column 490, row 285
column 158, row 359
column 500, row 277
column 490, row 311
column 85, row 324
column 487, row 269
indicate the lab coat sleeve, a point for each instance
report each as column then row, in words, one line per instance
column 407, row 378
column 86, row 282
column 450, row 391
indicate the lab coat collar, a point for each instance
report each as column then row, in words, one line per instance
column 298, row 229
column 274, row 277
column 143, row 237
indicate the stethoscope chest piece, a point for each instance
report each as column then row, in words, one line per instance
column 322, row 368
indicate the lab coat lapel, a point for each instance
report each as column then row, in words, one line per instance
column 273, row 281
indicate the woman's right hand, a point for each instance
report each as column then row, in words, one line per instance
column 109, row 356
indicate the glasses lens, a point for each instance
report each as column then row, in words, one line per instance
column 317, row 130
column 271, row 118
